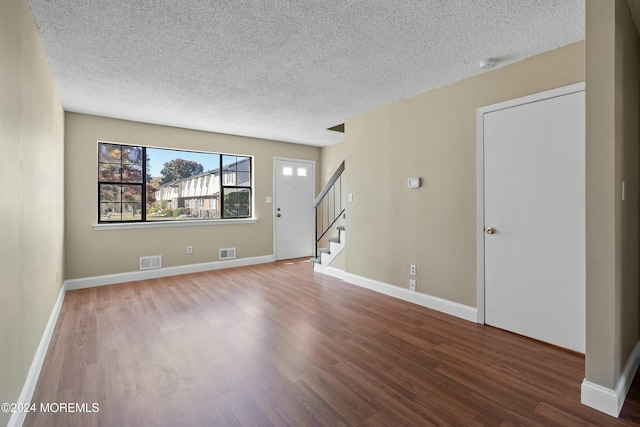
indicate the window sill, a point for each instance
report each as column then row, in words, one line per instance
column 164, row 224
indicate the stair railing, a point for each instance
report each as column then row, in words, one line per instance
column 328, row 206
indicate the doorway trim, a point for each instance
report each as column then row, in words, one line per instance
column 480, row 231
column 275, row 195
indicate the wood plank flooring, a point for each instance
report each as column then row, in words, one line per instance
column 277, row 345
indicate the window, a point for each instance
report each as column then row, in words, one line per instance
column 236, row 190
column 144, row 184
column 120, row 180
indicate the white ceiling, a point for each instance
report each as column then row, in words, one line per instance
column 281, row 69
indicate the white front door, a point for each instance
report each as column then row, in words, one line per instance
column 293, row 204
column 534, row 218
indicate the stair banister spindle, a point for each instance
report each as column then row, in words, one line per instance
column 328, row 206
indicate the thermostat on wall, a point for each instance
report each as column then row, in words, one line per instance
column 413, row 182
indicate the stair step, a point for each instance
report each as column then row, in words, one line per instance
column 324, row 251
column 315, row 261
column 340, row 228
column 333, row 239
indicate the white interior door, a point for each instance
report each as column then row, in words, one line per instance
column 534, row 198
column 294, row 194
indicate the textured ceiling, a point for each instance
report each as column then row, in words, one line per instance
column 281, row 69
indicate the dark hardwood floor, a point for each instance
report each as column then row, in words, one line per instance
column 276, row 345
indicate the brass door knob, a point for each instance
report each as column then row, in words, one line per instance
column 491, row 230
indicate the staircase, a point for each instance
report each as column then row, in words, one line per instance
column 329, row 208
column 327, row 255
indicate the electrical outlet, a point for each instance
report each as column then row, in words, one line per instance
column 412, row 270
column 189, row 249
column 412, row 285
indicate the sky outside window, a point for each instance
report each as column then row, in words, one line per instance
column 158, row 157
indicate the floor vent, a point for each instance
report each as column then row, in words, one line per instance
column 228, row 253
column 150, row 262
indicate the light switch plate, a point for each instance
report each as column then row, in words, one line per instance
column 413, row 182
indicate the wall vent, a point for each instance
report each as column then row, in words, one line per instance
column 228, row 253
column 150, row 262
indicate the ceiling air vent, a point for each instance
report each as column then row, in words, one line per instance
column 228, row 253
column 150, row 262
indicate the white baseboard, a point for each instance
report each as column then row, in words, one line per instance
column 17, row 418
column 605, row 399
column 442, row 305
column 333, row 272
column 601, row 398
column 111, row 279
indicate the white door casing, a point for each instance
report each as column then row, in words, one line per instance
column 294, row 191
column 531, row 189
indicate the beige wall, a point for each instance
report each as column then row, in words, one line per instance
column 92, row 253
column 32, row 216
column 331, row 157
column 432, row 136
column 613, row 156
column 628, row 170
